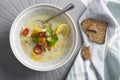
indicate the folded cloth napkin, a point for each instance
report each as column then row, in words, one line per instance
column 112, row 60
column 94, row 69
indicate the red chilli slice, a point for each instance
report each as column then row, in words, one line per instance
column 41, row 34
column 38, row 49
column 25, row 31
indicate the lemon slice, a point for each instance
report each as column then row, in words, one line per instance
column 63, row 29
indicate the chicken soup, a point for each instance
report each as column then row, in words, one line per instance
column 42, row 41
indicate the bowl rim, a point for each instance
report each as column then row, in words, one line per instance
column 32, row 67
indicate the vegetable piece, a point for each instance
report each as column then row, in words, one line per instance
column 49, row 32
column 43, row 48
column 52, row 40
column 48, row 47
column 55, row 37
column 25, row 31
column 38, row 49
column 35, row 38
column 41, row 34
column 43, row 40
column 36, row 29
column 32, row 35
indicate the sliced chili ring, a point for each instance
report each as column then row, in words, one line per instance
column 37, row 49
column 25, row 31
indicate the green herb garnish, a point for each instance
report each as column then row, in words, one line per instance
column 35, row 40
column 51, row 38
column 49, row 32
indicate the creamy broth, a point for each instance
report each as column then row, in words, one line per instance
column 28, row 45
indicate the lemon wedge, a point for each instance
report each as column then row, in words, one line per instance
column 63, row 29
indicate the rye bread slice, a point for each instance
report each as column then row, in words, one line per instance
column 86, row 53
column 95, row 30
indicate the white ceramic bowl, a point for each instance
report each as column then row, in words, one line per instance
column 15, row 37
